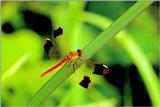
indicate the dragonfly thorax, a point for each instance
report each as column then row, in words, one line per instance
column 75, row 54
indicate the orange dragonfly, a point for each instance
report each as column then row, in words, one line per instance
column 72, row 56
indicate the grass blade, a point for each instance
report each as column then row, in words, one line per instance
column 127, row 42
column 12, row 70
column 105, row 36
column 111, row 31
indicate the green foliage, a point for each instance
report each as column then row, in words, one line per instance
column 23, row 64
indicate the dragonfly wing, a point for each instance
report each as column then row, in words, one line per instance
column 85, row 83
column 51, row 49
column 100, row 69
column 58, row 32
column 50, row 46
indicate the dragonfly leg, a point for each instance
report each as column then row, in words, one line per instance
column 73, row 68
column 73, row 65
column 79, row 60
column 70, row 63
column 76, row 63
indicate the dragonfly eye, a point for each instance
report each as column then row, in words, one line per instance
column 79, row 52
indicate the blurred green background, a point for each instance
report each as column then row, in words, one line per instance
column 26, row 24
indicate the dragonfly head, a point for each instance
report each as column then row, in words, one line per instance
column 80, row 52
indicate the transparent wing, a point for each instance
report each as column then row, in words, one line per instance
column 98, row 68
column 51, row 48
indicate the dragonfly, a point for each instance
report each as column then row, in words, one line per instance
column 73, row 56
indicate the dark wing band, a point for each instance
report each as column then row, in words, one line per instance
column 58, row 32
column 51, row 49
column 100, row 69
column 85, row 82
